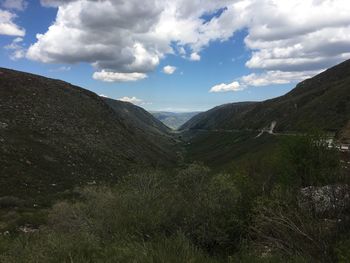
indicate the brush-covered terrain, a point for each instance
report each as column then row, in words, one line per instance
column 54, row 136
column 88, row 179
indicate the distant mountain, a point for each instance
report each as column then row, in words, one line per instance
column 54, row 136
column 321, row 102
column 172, row 119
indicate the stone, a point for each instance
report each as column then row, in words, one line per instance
column 329, row 200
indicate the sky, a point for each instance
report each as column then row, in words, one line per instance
column 176, row 55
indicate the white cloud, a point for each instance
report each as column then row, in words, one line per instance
column 132, row 100
column 118, row 77
column 19, row 5
column 264, row 79
column 62, row 68
column 17, row 49
column 169, row 69
column 300, row 35
column 15, row 43
column 103, row 96
column 17, row 54
column 276, row 78
column 7, row 25
column 234, row 86
column 195, row 56
column 124, row 37
column 131, row 38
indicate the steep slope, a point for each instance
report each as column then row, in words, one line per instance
column 320, row 102
column 143, row 122
column 174, row 120
column 54, row 135
column 219, row 117
column 137, row 116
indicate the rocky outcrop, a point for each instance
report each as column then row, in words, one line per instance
column 328, row 201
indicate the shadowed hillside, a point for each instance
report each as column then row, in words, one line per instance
column 138, row 117
column 54, row 135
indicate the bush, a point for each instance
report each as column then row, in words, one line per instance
column 192, row 215
column 342, row 250
column 10, row 202
column 307, row 160
column 281, row 225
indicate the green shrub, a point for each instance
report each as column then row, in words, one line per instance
column 342, row 251
column 307, row 160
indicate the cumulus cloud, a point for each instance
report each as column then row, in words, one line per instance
column 7, row 25
column 118, row 77
column 169, row 69
column 17, row 49
column 132, row 100
column 120, row 37
column 195, row 56
column 275, row 78
column 264, row 79
column 234, row 86
column 19, row 5
column 300, row 35
column 124, row 37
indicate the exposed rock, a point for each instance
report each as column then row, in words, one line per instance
column 27, row 229
column 330, row 200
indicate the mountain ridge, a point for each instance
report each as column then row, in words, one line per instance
column 321, row 102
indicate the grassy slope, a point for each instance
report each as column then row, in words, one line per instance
column 321, row 102
column 220, row 150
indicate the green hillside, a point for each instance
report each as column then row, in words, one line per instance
column 322, row 102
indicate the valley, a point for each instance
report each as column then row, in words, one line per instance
column 75, row 165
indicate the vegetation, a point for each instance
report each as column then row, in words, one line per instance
column 322, row 102
column 55, row 136
column 223, row 194
column 252, row 214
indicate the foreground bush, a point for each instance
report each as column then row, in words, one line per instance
column 147, row 217
column 193, row 215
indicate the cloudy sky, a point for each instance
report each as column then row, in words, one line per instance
column 176, row 55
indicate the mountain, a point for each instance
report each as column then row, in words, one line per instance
column 321, row 102
column 137, row 116
column 143, row 122
column 54, row 136
column 173, row 120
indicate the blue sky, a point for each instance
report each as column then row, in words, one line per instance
column 221, row 52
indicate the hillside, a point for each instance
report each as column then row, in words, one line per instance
column 173, row 120
column 138, row 117
column 321, row 102
column 54, row 135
